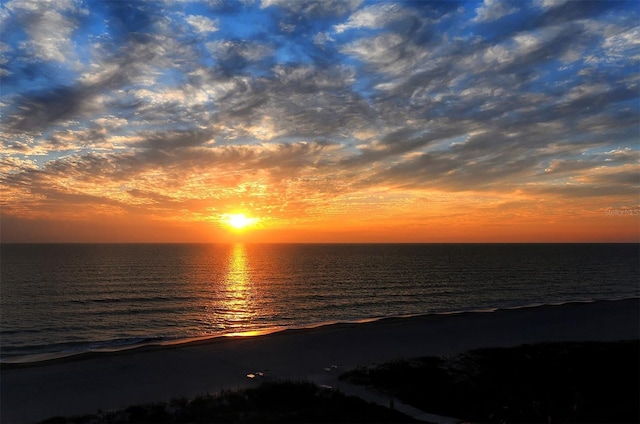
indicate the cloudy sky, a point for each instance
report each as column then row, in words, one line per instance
column 434, row 121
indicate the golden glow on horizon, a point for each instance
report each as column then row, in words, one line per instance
column 239, row 221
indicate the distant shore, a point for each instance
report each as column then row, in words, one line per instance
column 87, row 383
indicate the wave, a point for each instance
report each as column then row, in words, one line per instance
column 130, row 343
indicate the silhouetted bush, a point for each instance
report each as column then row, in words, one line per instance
column 564, row 382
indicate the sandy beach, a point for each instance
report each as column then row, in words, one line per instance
column 85, row 384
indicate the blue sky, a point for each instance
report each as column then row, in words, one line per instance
column 293, row 111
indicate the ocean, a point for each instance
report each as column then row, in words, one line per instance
column 65, row 299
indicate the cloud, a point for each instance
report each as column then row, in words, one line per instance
column 136, row 61
column 220, row 176
column 462, row 88
column 49, row 27
column 314, row 9
column 228, row 51
column 202, row 24
column 380, row 51
column 548, row 4
column 322, row 38
column 492, row 10
column 376, row 16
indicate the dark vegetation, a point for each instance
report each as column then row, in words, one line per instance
column 555, row 382
column 283, row 402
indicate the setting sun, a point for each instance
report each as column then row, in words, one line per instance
column 239, row 221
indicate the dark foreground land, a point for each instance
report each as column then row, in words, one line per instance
column 595, row 382
column 282, row 402
column 110, row 381
column 547, row 382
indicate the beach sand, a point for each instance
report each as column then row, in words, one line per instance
column 87, row 383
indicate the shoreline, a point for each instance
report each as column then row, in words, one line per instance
column 37, row 359
column 88, row 382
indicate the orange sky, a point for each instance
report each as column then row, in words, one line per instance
column 465, row 218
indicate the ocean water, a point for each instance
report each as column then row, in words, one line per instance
column 62, row 299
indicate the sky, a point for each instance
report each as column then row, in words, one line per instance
column 320, row 121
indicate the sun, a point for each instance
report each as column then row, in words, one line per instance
column 239, row 221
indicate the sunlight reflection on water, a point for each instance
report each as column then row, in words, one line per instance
column 237, row 307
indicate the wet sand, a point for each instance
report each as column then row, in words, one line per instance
column 87, row 383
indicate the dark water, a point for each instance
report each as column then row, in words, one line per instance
column 69, row 298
